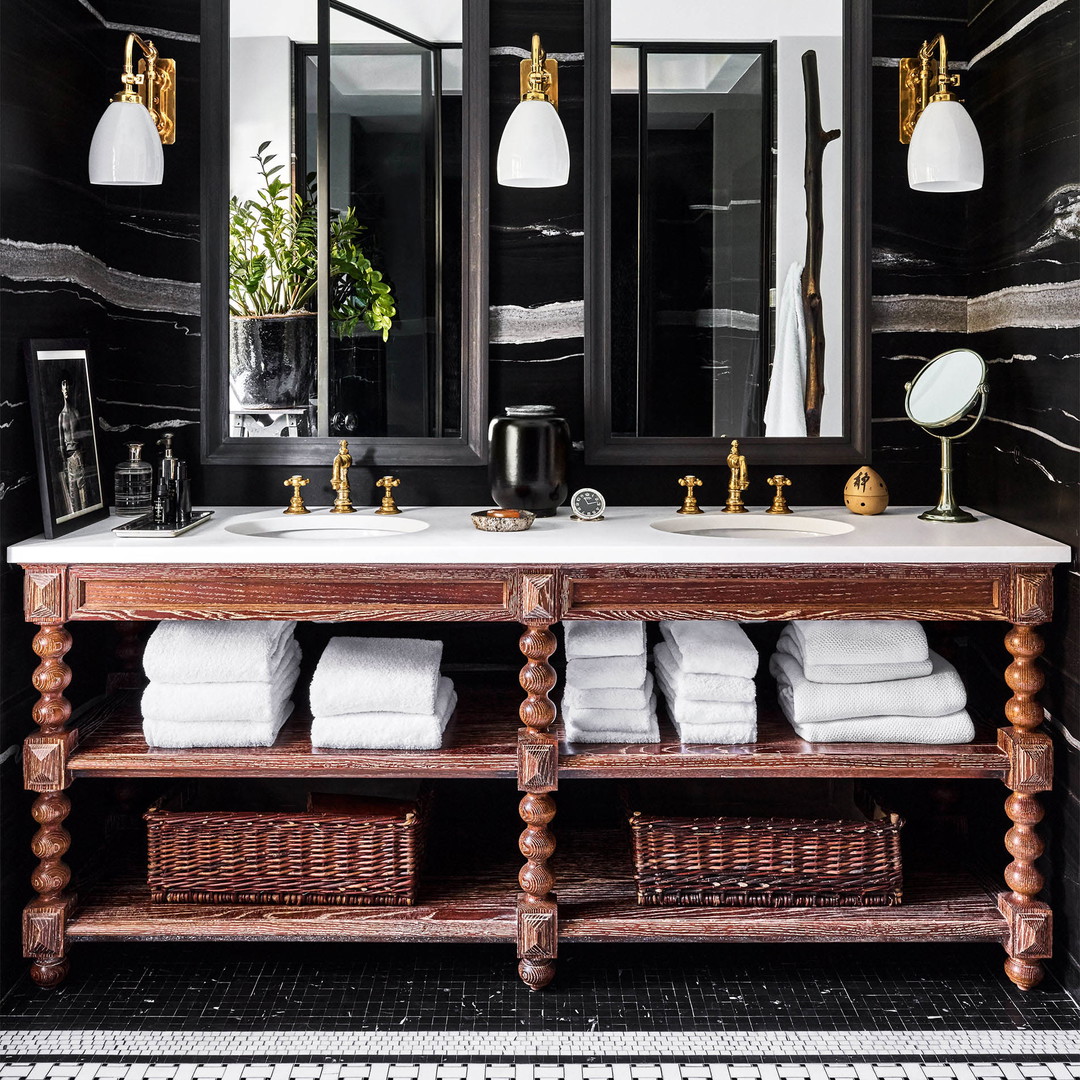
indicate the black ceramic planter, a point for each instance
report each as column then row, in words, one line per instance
column 527, row 466
column 273, row 361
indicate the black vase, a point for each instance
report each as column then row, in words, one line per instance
column 273, row 361
column 527, row 466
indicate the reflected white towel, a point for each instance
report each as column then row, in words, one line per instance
column 785, row 405
column 585, row 639
column 861, row 641
column 616, row 697
column 174, row 734
column 385, row 730
column 940, row 693
column 574, row 734
column 362, row 675
column 738, row 717
column 606, row 673
column 701, row 687
column 628, row 720
column 851, row 673
column 212, row 703
column 217, row 651
column 710, row 647
column 957, row 727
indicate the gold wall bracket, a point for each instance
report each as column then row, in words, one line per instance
column 154, row 86
column 540, row 76
column 918, row 77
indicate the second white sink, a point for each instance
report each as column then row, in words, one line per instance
column 778, row 527
column 322, row 525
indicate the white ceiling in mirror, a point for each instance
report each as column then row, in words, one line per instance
column 433, row 20
column 298, row 19
column 724, row 20
column 677, row 73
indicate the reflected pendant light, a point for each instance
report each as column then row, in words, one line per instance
column 533, row 151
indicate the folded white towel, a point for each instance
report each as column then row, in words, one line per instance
column 615, row 697
column 686, row 712
column 692, row 686
column 365, row 675
column 851, row 673
column 585, row 639
column 736, row 731
column 957, row 727
column 861, row 641
column 217, row 651
column 607, row 673
column 385, row 730
column 229, row 703
column 714, row 647
column 574, row 734
column 938, row 694
column 186, row 733
column 785, row 405
column 640, row 719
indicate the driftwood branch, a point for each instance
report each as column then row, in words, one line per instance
column 816, row 141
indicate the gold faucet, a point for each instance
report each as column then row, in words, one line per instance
column 738, row 482
column 387, row 506
column 296, row 500
column 689, row 505
column 339, row 481
column 779, row 503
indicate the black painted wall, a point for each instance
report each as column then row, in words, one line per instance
column 121, row 266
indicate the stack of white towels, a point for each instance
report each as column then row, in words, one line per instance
column 870, row 680
column 706, row 672
column 609, row 696
column 380, row 693
column 219, row 683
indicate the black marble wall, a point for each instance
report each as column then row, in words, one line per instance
column 996, row 269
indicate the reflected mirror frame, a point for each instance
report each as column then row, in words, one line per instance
column 468, row 449
column 604, row 448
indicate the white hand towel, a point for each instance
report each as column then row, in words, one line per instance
column 940, row 693
column 195, row 651
column 691, row 686
column 686, row 712
column 366, row 675
column 613, row 719
column 227, row 703
column 577, row 697
column 861, row 641
column 607, row 673
column 387, row 730
column 574, row 734
column 957, row 727
column 728, row 732
column 851, row 673
column 187, row 733
column 785, row 406
column 585, row 639
column 710, row 647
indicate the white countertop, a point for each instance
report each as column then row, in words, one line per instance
column 625, row 536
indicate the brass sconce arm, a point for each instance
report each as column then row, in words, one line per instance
column 153, row 86
column 917, row 75
column 540, row 76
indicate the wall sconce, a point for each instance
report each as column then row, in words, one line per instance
column 126, row 148
column 533, row 151
column 944, row 151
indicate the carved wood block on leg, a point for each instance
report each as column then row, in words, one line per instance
column 44, row 933
column 537, row 761
column 45, row 759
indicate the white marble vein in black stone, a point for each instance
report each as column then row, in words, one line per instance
column 511, row 324
column 1036, row 13
column 143, row 31
column 541, row 228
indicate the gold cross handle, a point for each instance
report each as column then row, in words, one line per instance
column 690, row 505
column 387, row 506
column 779, row 506
column 296, row 502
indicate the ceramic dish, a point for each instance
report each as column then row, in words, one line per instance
column 493, row 521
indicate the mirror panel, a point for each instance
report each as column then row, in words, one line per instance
column 696, row 212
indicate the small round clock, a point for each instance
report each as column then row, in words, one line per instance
column 587, row 504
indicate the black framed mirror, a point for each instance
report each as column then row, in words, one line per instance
column 373, row 324
column 727, row 232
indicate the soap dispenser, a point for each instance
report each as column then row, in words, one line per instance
column 172, row 490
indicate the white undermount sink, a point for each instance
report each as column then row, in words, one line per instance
column 322, row 525
column 779, row 527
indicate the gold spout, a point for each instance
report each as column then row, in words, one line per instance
column 689, row 505
column 779, row 503
column 296, row 501
column 387, row 506
column 738, row 482
column 339, row 481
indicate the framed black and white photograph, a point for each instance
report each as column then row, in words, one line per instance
column 65, row 433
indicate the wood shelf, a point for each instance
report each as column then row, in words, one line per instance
column 481, row 742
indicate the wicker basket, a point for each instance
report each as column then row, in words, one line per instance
column 735, row 861
column 341, row 850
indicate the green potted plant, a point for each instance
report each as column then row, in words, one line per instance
column 273, row 280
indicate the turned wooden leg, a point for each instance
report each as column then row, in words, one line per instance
column 45, row 771
column 538, row 755
column 1030, row 770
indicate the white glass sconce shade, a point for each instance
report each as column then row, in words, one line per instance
column 533, row 151
column 126, row 148
column 945, row 153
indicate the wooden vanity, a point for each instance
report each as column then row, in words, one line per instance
column 98, row 580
